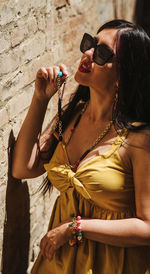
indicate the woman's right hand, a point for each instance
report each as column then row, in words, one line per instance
column 45, row 82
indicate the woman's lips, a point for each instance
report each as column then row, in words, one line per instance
column 84, row 67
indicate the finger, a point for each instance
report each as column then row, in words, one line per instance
column 64, row 70
column 42, row 73
column 56, row 70
column 51, row 252
column 50, row 74
column 43, row 245
column 47, row 250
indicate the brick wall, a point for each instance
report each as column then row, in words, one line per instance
column 35, row 33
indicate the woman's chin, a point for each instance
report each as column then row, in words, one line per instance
column 76, row 77
column 80, row 79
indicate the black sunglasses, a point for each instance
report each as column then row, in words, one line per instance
column 102, row 53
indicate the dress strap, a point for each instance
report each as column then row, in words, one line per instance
column 117, row 143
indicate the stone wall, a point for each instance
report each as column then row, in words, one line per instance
column 35, row 33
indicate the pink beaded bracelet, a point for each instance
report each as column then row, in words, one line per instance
column 77, row 234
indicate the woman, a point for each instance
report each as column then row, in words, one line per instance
column 101, row 163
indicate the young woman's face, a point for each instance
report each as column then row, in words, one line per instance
column 93, row 75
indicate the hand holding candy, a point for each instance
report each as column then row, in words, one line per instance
column 45, row 83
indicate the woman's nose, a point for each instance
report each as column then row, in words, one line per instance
column 89, row 53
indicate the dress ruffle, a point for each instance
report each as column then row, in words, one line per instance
column 90, row 257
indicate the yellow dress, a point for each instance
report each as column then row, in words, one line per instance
column 101, row 188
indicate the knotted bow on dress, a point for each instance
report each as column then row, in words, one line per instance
column 100, row 180
column 65, row 178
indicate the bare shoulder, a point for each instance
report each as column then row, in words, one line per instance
column 138, row 143
column 139, row 139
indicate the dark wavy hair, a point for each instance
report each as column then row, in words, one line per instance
column 133, row 64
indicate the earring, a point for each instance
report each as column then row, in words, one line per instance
column 116, row 100
column 116, row 96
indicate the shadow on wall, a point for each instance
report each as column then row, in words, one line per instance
column 142, row 14
column 17, row 222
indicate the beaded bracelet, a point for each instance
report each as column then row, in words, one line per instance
column 77, row 234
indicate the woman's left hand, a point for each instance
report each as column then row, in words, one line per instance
column 54, row 239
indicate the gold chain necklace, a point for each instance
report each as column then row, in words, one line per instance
column 60, row 97
column 99, row 138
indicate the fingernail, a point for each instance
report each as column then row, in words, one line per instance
column 66, row 73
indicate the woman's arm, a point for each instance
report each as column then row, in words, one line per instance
column 122, row 233
column 25, row 156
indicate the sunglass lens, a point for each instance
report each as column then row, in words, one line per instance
column 102, row 54
column 86, row 43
